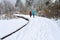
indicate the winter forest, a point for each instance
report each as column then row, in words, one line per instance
column 45, row 8
column 29, row 19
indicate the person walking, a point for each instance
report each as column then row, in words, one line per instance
column 33, row 13
column 30, row 13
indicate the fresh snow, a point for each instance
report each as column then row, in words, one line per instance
column 38, row 28
column 58, row 22
column 8, row 26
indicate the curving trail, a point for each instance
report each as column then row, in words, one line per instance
column 17, row 29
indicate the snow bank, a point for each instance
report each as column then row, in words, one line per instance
column 58, row 22
column 8, row 26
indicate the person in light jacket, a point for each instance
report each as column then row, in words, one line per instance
column 33, row 13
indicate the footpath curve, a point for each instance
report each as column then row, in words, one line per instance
column 17, row 29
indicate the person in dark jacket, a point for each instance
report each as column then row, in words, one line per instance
column 30, row 14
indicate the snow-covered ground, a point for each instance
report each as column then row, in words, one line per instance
column 38, row 28
column 8, row 26
column 58, row 22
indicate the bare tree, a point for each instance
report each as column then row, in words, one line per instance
column 7, row 9
column 21, row 8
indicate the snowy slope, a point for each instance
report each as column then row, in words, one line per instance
column 38, row 28
column 8, row 26
column 58, row 22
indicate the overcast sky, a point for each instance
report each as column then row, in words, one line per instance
column 14, row 1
